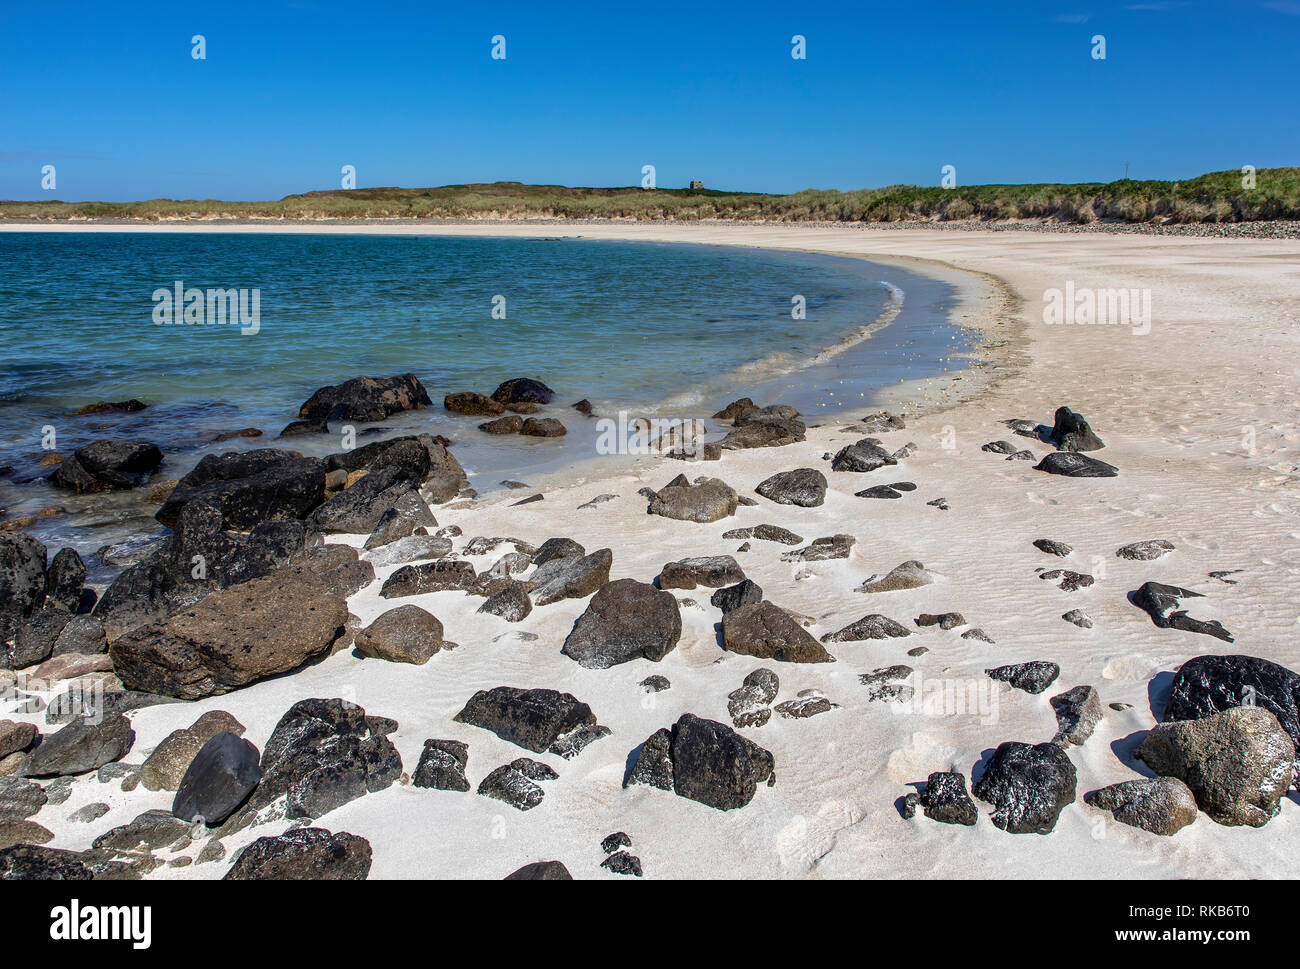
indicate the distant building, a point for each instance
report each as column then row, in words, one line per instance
column 697, row 185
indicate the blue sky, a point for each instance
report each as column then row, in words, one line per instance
column 589, row 93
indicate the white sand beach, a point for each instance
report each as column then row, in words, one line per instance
column 1200, row 417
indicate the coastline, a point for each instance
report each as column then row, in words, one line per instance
column 1172, row 406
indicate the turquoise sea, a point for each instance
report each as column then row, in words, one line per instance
column 665, row 329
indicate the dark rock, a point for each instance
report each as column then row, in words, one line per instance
column 882, row 422
column 1066, row 580
column 1000, row 447
column 865, row 455
column 513, row 784
column 401, row 521
column 613, row 842
column 623, row 863
column 1032, row 677
column 707, row 501
column 304, row 854
column 131, row 406
column 80, row 747
column 366, row 399
column 64, row 580
column 809, row 703
column 945, row 799
column 410, row 549
column 25, row 862
column 879, row 491
column 442, row 766
column 822, row 549
column 909, row 575
column 1073, row 465
column 34, row 640
column 946, row 620
column 106, row 465
column 150, row 831
column 584, row 407
column 713, row 571
column 235, row 636
column 250, row 487
column 1070, row 432
column 764, row 430
column 736, row 409
column 765, row 533
column 1079, row 618
column 510, row 424
column 542, row 427
column 625, row 620
column 511, row 602
column 1145, row 551
column 15, row 737
column 768, row 632
column 22, row 582
column 533, row 719
column 1052, row 548
column 1161, row 805
column 714, row 765
column 541, row 871
column 1208, row 685
column 219, row 779
column 406, row 634
column 1161, row 603
column 475, row 405
column 1238, row 763
column 873, row 626
column 1078, row 711
column 732, row 597
column 887, row 684
column 523, row 390
column 655, row 684
column 805, row 487
column 20, row 799
column 359, row 508
column 1028, row 786
column 557, row 548
column 570, row 578
column 572, row 744
column 411, row 580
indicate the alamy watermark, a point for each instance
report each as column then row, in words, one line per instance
column 211, row 307
column 1081, row 306
column 649, row 435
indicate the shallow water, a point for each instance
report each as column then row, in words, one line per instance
column 672, row 330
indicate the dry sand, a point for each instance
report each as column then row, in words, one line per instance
column 1200, row 417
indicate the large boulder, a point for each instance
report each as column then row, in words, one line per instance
column 234, row 637
column 199, row 559
column 805, row 487
column 705, row 761
column 533, row 719
column 1028, row 786
column 625, row 620
column 365, row 399
column 945, row 799
column 523, row 390
column 304, row 854
column 1070, row 432
column 218, row 780
column 1161, row 805
column 1238, row 763
column 708, row 500
column 1208, row 685
column 768, row 632
column 1161, row 602
column 250, row 487
column 107, row 465
column 22, row 581
column 83, row 745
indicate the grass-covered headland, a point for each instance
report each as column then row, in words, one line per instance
column 1216, row 197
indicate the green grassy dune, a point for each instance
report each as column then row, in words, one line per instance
column 1215, row 197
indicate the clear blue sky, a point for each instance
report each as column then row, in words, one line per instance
column 588, row 93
